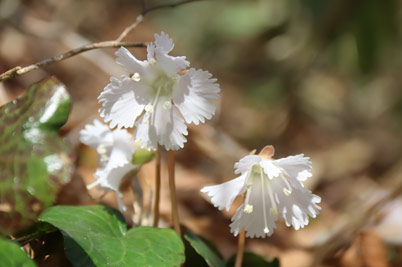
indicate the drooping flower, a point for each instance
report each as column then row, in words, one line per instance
column 160, row 97
column 272, row 189
column 115, row 150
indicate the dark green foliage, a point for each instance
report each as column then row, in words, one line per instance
column 199, row 252
column 97, row 235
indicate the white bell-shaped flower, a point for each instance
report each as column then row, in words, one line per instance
column 272, row 189
column 160, row 97
column 115, row 150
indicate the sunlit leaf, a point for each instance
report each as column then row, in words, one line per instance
column 34, row 160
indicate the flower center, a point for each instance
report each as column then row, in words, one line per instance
column 163, row 86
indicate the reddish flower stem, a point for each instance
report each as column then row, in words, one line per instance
column 172, row 188
column 157, row 188
column 240, row 248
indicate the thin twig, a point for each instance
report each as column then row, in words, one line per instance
column 157, row 188
column 131, row 27
column 17, row 71
column 172, row 188
column 240, row 248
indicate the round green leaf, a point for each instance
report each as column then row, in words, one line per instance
column 100, row 233
column 11, row 255
column 34, row 160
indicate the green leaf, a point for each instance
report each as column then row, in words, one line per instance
column 251, row 259
column 34, row 160
column 11, row 255
column 210, row 257
column 100, row 232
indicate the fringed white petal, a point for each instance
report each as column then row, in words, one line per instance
column 193, row 94
column 303, row 175
column 222, row 195
column 163, row 43
column 170, row 64
column 110, row 179
column 246, row 163
column 294, row 165
column 169, row 126
column 129, row 62
column 270, row 169
column 296, row 208
column 96, row 134
column 122, row 150
column 145, row 134
column 163, row 126
column 123, row 101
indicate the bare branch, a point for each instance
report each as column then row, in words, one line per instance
column 17, row 71
column 128, row 29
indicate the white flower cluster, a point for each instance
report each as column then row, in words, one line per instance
column 159, row 98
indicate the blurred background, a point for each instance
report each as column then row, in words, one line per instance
column 319, row 77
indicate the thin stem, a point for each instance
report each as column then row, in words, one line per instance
column 172, row 188
column 240, row 248
column 157, row 187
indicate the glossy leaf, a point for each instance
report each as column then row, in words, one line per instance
column 11, row 255
column 100, row 233
column 34, row 160
column 210, row 257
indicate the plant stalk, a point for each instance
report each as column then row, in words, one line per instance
column 157, row 188
column 172, row 188
column 240, row 248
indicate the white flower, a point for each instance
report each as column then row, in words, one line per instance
column 115, row 151
column 168, row 98
column 272, row 188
